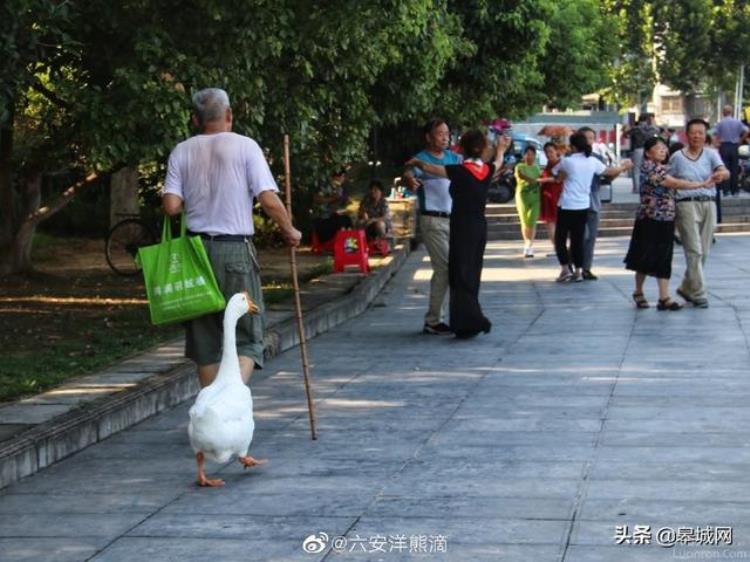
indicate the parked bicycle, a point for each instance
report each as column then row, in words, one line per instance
column 125, row 238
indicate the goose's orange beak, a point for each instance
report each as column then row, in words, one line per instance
column 252, row 308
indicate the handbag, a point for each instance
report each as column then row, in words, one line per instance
column 179, row 279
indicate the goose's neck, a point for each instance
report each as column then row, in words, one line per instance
column 229, row 369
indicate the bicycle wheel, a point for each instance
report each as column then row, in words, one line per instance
column 123, row 242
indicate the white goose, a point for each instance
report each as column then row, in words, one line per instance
column 221, row 420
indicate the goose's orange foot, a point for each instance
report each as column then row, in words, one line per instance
column 209, row 482
column 249, row 461
column 202, row 480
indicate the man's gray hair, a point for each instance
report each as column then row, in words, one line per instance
column 210, row 104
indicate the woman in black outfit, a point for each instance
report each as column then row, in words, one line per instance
column 468, row 229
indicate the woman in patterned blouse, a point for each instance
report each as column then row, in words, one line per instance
column 652, row 242
column 374, row 215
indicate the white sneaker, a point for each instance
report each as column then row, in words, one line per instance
column 528, row 252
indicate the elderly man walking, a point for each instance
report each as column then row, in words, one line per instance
column 696, row 208
column 214, row 177
column 730, row 132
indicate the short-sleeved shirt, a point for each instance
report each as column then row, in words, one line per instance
column 327, row 210
column 377, row 210
column 579, row 173
column 730, row 129
column 657, row 201
column 700, row 169
column 469, row 198
column 641, row 133
column 433, row 194
column 217, row 176
column 532, row 172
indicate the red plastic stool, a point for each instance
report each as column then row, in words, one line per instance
column 350, row 248
column 316, row 247
column 379, row 246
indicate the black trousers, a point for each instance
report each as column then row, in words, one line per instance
column 573, row 224
column 729, row 152
column 328, row 227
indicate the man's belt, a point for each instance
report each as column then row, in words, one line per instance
column 222, row 237
column 697, row 198
column 440, row 214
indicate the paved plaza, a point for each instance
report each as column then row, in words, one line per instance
column 577, row 417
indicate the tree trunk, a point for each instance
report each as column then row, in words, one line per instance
column 19, row 255
column 123, row 195
column 8, row 214
column 15, row 257
column 694, row 106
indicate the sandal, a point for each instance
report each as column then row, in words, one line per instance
column 668, row 304
column 640, row 301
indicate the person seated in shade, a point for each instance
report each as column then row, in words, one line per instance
column 374, row 215
column 329, row 214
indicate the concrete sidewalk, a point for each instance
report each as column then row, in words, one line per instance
column 576, row 415
column 38, row 431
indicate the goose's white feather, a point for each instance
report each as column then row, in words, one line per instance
column 221, row 420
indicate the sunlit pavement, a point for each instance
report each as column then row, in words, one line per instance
column 577, row 424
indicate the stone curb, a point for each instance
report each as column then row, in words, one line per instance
column 89, row 423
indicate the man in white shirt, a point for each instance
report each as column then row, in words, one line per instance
column 214, row 177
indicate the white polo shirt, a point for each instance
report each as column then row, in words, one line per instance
column 579, row 171
column 218, row 176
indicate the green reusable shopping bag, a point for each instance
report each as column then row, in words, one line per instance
column 180, row 283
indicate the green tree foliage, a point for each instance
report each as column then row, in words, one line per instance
column 629, row 30
column 88, row 87
column 579, row 52
column 690, row 45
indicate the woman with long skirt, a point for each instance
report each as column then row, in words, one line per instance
column 468, row 229
column 652, row 242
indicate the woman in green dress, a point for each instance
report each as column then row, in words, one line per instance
column 528, row 200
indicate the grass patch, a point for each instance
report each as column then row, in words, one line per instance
column 73, row 316
column 49, row 343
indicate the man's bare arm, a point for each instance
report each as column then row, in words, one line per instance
column 275, row 209
column 172, row 204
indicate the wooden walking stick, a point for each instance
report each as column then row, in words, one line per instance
column 297, row 302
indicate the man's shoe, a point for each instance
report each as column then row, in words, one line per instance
column 439, row 329
column 588, row 276
column 685, row 296
column 700, row 303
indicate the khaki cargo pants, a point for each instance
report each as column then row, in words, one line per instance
column 236, row 268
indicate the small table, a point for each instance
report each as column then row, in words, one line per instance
column 403, row 217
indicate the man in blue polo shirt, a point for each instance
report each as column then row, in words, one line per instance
column 434, row 220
